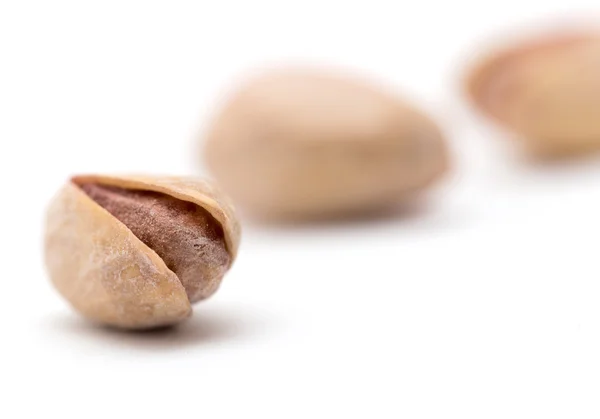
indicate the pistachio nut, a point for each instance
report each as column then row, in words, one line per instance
column 135, row 251
column 297, row 143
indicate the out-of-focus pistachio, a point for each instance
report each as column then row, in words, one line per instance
column 303, row 144
column 546, row 90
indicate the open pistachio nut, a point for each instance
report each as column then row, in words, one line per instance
column 546, row 90
column 135, row 251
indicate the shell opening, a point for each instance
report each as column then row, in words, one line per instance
column 186, row 237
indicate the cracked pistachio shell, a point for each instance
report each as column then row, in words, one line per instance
column 104, row 271
column 546, row 90
column 303, row 144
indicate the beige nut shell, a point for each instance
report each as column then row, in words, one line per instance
column 546, row 90
column 300, row 143
column 105, row 271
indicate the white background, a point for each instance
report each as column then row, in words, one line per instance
column 484, row 304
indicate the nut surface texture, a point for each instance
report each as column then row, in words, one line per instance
column 135, row 252
column 301, row 144
column 546, row 90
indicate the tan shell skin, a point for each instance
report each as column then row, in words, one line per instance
column 107, row 273
column 295, row 144
column 546, row 90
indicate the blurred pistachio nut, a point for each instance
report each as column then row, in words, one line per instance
column 546, row 90
column 136, row 252
column 304, row 144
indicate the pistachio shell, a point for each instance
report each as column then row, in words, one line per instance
column 299, row 143
column 105, row 271
column 197, row 191
column 546, row 90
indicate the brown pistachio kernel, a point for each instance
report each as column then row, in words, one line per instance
column 183, row 234
column 546, row 90
column 302, row 144
column 134, row 252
